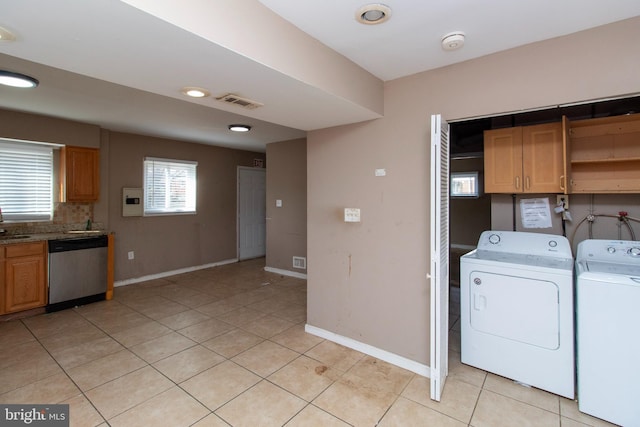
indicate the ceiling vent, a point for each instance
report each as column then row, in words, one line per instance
column 239, row 101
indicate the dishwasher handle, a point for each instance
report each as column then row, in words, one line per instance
column 77, row 244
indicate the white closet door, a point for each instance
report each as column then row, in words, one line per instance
column 439, row 255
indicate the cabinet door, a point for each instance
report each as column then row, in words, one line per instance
column 543, row 158
column 566, row 154
column 503, row 160
column 2, row 280
column 25, row 284
column 82, row 174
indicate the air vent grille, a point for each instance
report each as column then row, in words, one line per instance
column 239, row 101
column 300, row 262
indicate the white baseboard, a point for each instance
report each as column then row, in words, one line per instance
column 285, row 272
column 126, row 282
column 392, row 358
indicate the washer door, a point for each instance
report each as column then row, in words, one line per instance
column 515, row 308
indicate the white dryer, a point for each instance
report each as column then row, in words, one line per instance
column 608, row 318
column 517, row 316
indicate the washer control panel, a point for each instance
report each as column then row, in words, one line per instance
column 621, row 251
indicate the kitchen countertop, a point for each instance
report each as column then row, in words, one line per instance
column 37, row 237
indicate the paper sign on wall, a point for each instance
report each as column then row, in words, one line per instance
column 535, row 213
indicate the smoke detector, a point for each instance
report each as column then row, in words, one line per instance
column 453, row 40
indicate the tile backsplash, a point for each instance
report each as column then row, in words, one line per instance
column 66, row 216
column 65, row 213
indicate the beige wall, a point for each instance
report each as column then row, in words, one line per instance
column 33, row 127
column 167, row 243
column 580, row 205
column 367, row 281
column 286, row 226
column 468, row 217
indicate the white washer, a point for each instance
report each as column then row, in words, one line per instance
column 608, row 318
column 516, row 300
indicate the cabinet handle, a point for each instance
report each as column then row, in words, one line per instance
column 527, row 183
column 517, row 182
column 562, row 182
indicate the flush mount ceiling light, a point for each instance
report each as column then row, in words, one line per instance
column 374, row 13
column 6, row 35
column 453, row 40
column 9, row 78
column 195, row 92
column 239, row 128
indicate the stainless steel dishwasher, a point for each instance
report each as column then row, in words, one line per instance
column 77, row 271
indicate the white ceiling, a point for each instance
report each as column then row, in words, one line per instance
column 121, row 64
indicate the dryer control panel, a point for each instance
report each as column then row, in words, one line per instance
column 524, row 243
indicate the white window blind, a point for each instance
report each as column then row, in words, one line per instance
column 169, row 186
column 26, row 181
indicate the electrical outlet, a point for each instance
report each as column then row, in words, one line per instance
column 560, row 198
column 131, row 255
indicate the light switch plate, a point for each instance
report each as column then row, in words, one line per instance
column 278, row 203
column 351, row 215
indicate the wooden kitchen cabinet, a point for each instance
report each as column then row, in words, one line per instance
column 605, row 155
column 2, row 280
column 80, row 174
column 25, row 276
column 526, row 159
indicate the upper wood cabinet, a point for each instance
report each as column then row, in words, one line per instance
column 605, row 155
column 525, row 159
column 80, row 174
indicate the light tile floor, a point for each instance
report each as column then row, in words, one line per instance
column 226, row 346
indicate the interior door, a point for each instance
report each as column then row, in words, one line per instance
column 439, row 255
column 251, row 213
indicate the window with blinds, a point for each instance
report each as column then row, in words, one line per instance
column 169, row 186
column 26, row 181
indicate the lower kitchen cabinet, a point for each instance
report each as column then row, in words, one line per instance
column 25, row 276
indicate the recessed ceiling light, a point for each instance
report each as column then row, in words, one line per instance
column 195, row 92
column 6, row 35
column 239, row 128
column 374, row 13
column 9, row 78
column 453, row 40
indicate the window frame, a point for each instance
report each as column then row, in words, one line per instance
column 190, row 193
column 475, row 175
column 39, row 180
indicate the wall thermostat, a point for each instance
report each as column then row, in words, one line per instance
column 132, row 202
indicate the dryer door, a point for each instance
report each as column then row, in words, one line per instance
column 515, row 308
